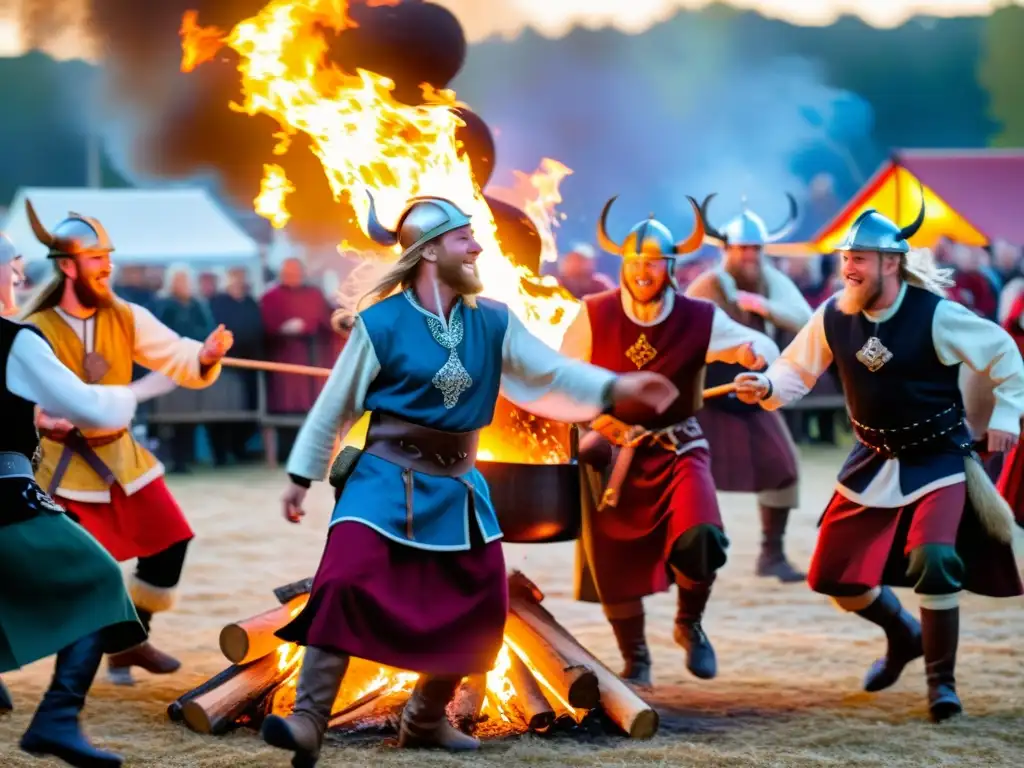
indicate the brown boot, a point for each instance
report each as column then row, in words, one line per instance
column 302, row 732
column 629, row 634
column 6, row 704
column 691, row 599
column 424, row 722
column 146, row 656
column 772, row 560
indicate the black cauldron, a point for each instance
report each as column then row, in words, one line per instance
column 536, row 503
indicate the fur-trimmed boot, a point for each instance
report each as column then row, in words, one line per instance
column 425, row 722
column 629, row 634
column 772, row 559
column 903, row 638
column 940, row 634
column 302, row 732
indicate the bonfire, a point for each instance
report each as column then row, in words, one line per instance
column 543, row 681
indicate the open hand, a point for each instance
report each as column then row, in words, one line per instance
column 752, row 302
column 751, row 388
column 639, row 396
column 1000, row 442
column 216, row 345
column 292, row 501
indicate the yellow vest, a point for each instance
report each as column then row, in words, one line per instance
column 114, row 329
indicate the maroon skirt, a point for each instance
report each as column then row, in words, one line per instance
column 1011, row 481
column 436, row 613
column 664, row 496
column 860, row 548
column 750, row 452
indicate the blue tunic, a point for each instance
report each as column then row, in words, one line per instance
column 410, row 357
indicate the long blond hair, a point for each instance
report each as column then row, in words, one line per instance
column 918, row 267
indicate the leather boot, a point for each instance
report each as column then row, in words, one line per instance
column 6, row 703
column 302, row 732
column 940, row 633
column 55, row 730
column 146, row 656
column 700, row 655
column 772, row 560
column 629, row 634
column 903, row 638
column 424, row 721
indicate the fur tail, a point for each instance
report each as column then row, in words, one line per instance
column 993, row 512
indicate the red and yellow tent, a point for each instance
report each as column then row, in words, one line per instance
column 971, row 196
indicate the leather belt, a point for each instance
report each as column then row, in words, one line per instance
column 75, row 442
column 15, row 465
column 419, row 448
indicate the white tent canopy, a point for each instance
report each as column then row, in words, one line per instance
column 149, row 227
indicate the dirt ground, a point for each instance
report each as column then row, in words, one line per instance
column 788, row 690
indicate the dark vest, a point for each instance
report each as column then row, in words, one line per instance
column 910, row 407
column 677, row 347
column 19, row 430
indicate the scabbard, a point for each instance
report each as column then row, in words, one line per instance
column 617, row 476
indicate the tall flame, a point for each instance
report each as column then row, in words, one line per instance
column 364, row 138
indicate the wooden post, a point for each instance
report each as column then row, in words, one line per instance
column 254, row 638
column 215, row 710
column 576, row 684
column 623, row 707
column 529, row 698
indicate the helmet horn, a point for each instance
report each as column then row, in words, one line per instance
column 602, row 230
column 788, row 225
column 910, row 230
column 710, row 230
column 38, row 229
column 696, row 238
column 377, row 231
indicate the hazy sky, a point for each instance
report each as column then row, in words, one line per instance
column 555, row 17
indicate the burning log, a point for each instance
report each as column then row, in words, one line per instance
column 253, row 638
column 465, row 707
column 530, row 700
column 375, row 710
column 174, row 709
column 216, row 710
column 619, row 702
column 574, row 682
column 288, row 592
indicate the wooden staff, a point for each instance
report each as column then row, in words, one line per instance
column 721, row 389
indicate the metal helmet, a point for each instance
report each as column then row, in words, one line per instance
column 75, row 234
column 748, row 228
column 871, row 231
column 424, row 219
column 650, row 239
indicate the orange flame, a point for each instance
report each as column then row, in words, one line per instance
column 365, row 139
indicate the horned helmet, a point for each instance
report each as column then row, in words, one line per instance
column 873, row 232
column 650, row 239
column 424, row 219
column 747, row 228
column 75, row 234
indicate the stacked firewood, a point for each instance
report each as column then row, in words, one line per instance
column 544, row 681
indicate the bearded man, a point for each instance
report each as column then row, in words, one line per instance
column 653, row 518
column 113, row 485
column 413, row 575
column 913, row 506
column 752, row 450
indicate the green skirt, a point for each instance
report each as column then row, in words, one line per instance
column 58, row 585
